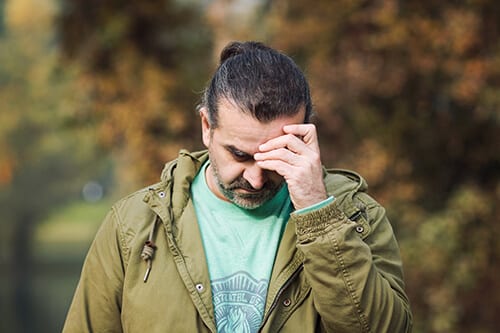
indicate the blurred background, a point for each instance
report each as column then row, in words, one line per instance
column 95, row 96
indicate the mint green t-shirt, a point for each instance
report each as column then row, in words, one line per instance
column 240, row 245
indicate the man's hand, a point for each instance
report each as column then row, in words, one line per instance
column 296, row 157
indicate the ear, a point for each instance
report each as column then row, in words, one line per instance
column 205, row 126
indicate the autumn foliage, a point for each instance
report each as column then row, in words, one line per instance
column 407, row 93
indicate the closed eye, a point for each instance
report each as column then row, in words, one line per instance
column 239, row 155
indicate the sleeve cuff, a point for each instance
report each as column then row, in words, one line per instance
column 316, row 222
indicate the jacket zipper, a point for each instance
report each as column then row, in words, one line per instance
column 279, row 293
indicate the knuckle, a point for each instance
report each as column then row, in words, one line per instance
column 311, row 127
column 316, row 158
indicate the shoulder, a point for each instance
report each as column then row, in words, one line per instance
column 175, row 177
column 350, row 190
column 131, row 215
column 135, row 213
column 134, row 204
column 340, row 182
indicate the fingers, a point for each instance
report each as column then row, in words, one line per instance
column 281, row 160
column 297, row 147
column 282, row 168
column 286, row 162
column 306, row 131
column 296, row 157
column 288, row 142
column 300, row 139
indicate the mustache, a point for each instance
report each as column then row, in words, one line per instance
column 242, row 183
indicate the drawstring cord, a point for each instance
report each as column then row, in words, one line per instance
column 148, row 251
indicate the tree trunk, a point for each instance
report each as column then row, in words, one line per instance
column 21, row 272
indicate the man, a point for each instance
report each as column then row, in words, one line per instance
column 253, row 235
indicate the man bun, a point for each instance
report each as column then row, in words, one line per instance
column 236, row 48
column 259, row 81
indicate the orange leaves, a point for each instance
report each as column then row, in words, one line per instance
column 136, row 114
column 407, row 93
column 145, row 63
column 470, row 80
column 7, row 164
column 462, row 30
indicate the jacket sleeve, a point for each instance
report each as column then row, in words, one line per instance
column 355, row 274
column 97, row 301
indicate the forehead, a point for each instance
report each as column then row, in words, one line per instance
column 245, row 132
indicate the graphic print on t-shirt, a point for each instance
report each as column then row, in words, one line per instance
column 239, row 302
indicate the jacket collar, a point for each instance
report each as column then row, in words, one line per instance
column 178, row 176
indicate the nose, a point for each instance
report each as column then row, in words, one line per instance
column 256, row 176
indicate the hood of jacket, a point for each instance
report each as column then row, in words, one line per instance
column 177, row 176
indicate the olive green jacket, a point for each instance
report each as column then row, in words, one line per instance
column 337, row 269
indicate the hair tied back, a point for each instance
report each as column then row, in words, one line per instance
column 237, row 48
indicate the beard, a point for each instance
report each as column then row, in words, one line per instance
column 246, row 200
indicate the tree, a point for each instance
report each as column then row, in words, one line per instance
column 145, row 63
column 44, row 158
column 2, row 5
column 409, row 94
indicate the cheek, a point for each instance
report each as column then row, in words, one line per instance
column 229, row 172
column 227, row 169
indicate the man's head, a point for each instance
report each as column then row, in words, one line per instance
column 253, row 94
column 260, row 81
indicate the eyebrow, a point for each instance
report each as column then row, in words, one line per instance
column 238, row 152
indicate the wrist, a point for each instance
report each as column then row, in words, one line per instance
column 315, row 206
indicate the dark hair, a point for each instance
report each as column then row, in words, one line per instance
column 260, row 81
